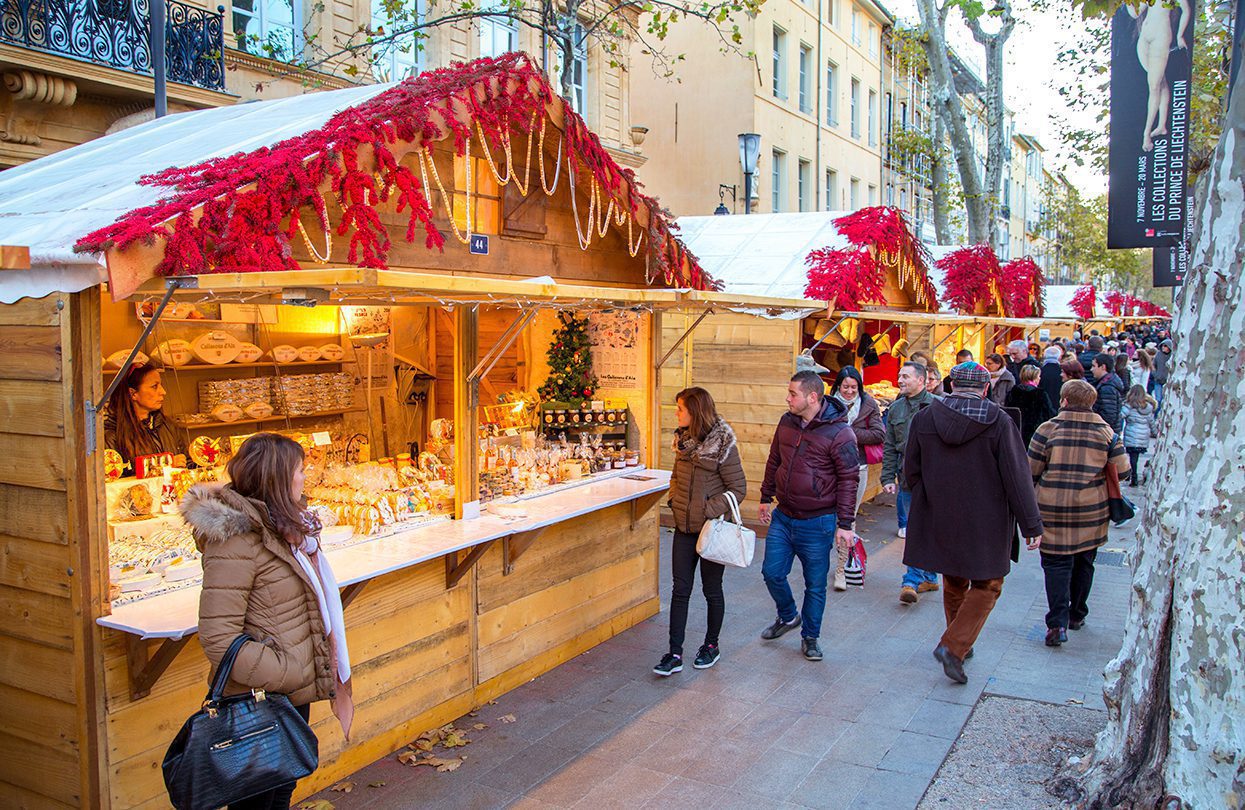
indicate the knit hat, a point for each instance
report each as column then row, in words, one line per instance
column 969, row 375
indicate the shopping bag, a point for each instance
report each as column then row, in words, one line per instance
column 857, row 559
column 728, row 542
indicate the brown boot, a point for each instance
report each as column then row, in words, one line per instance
column 840, row 578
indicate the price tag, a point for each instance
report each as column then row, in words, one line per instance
column 321, row 438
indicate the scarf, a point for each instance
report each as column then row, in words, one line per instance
column 853, row 407
column 316, row 566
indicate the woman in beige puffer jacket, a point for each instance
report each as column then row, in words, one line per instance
column 264, row 575
column 706, row 467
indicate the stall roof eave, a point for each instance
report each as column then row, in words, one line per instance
column 346, row 284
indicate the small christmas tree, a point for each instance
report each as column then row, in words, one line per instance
column 570, row 362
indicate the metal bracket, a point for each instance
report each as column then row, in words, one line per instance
column 683, row 337
column 830, row 331
column 144, row 670
column 455, row 569
column 92, row 409
column 944, row 340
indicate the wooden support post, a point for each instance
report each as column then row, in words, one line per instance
column 641, row 505
column 514, row 546
column 652, row 455
column 456, row 569
column 466, row 409
column 145, row 671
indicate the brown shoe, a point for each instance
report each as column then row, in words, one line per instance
column 926, row 586
column 907, row 595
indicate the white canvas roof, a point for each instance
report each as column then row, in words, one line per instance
column 50, row 203
column 761, row 254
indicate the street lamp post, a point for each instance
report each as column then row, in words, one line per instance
column 749, row 151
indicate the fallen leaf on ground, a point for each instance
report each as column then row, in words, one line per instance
column 1077, row 702
column 409, row 757
column 425, row 745
column 475, row 713
column 442, row 764
column 507, row 718
column 375, row 784
column 479, row 727
column 343, row 787
column 316, row 804
column 455, row 739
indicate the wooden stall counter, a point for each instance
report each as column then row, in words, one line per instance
column 440, row 619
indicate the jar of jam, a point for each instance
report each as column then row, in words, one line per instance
column 560, row 417
column 549, row 417
column 611, row 416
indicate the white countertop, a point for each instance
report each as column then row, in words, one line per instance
column 176, row 614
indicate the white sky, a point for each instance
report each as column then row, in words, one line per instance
column 1030, row 77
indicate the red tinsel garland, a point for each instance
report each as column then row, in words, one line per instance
column 1117, row 303
column 970, row 276
column 1151, row 309
column 1022, row 287
column 1083, row 301
column 854, row 276
column 244, row 198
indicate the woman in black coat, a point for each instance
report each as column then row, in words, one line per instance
column 1032, row 402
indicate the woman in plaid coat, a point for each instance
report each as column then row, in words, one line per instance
column 1068, row 457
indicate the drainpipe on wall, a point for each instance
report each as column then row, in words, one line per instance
column 819, row 68
column 881, row 110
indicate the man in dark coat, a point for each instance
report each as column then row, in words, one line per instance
column 971, row 487
column 1018, row 357
column 813, row 471
column 1110, row 391
column 1051, row 380
column 1096, row 345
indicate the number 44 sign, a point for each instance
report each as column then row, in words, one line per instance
column 479, row 244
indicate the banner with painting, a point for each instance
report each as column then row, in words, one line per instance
column 1151, row 83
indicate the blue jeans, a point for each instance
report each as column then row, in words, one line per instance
column 914, row 576
column 1158, row 396
column 811, row 540
column 903, row 502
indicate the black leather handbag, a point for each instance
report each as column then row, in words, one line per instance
column 236, row 747
column 1120, row 509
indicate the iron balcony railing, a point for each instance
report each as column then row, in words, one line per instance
column 115, row 33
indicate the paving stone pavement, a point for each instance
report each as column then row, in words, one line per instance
column 866, row 728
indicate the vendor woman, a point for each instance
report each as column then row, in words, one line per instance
column 135, row 425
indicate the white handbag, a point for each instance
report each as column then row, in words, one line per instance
column 726, row 542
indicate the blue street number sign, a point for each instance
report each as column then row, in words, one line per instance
column 479, row 244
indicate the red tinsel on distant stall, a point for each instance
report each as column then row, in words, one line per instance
column 971, row 275
column 1022, row 287
column 852, row 277
column 1117, row 303
column 248, row 202
column 1151, row 309
column 1083, row 301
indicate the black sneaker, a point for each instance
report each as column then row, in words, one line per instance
column 669, row 664
column 810, row 648
column 1056, row 636
column 1075, row 624
column 707, row 657
column 779, row 627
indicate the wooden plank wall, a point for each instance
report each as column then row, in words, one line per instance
column 505, row 375
column 48, row 544
column 745, row 363
column 410, row 651
column 579, row 576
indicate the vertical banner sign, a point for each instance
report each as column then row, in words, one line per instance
column 1170, row 264
column 1151, row 85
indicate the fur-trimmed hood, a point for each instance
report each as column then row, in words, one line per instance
column 215, row 513
column 716, row 446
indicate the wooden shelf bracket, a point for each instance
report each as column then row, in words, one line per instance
column 641, row 505
column 514, row 545
column 144, row 670
column 456, row 569
column 351, row 591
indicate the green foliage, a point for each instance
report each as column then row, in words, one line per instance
column 570, row 362
column 1080, row 228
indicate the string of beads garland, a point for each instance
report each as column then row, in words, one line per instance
column 236, row 213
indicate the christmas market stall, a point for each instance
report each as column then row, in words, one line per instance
column 1005, row 300
column 858, row 294
column 1083, row 308
column 445, row 289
